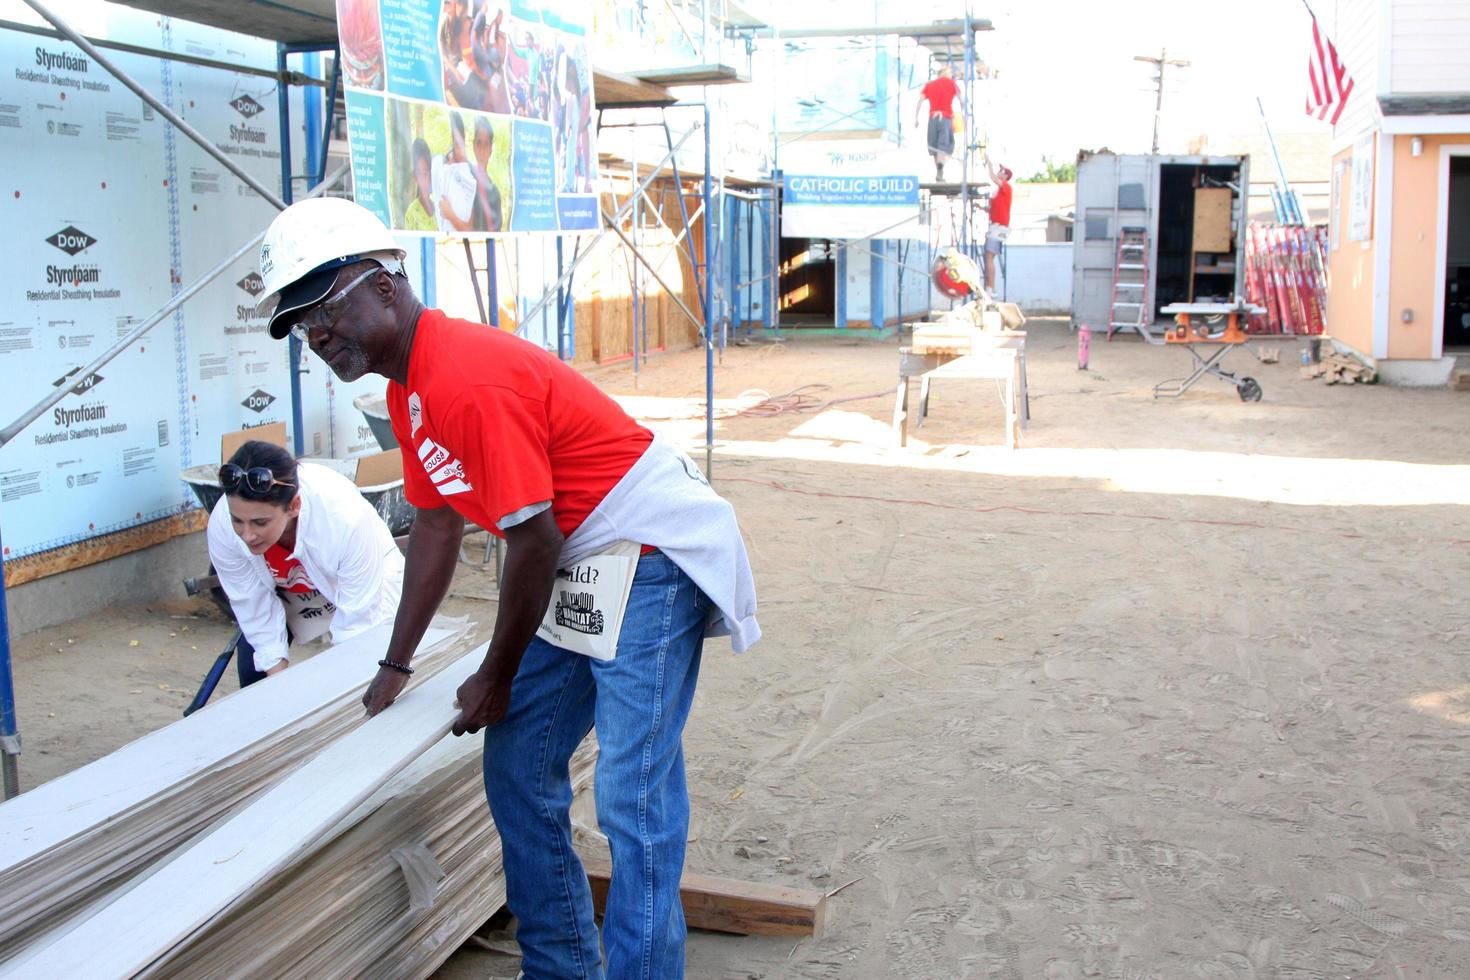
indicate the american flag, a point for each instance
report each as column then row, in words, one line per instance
column 1330, row 84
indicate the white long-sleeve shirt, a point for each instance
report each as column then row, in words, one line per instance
column 665, row 501
column 341, row 542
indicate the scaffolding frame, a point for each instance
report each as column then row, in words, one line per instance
column 937, row 38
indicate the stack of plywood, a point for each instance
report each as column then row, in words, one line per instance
column 71, row 846
column 395, row 889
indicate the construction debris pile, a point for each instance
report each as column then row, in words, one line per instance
column 1336, row 368
column 1286, row 272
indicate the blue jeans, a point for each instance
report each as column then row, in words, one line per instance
column 638, row 702
column 245, row 663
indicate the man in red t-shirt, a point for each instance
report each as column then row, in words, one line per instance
column 940, row 93
column 1000, row 218
column 498, row 431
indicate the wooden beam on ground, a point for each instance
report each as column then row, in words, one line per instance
column 745, row 908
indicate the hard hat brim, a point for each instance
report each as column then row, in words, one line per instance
column 310, row 288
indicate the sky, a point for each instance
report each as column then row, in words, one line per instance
column 1065, row 78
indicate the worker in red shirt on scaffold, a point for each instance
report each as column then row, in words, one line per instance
column 940, row 93
column 620, row 560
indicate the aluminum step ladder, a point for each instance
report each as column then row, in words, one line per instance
column 1130, row 284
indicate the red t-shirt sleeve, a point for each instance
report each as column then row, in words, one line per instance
column 505, row 438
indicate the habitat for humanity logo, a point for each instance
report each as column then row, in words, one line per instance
column 246, row 106
column 258, row 401
column 71, row 240
column 252, row 284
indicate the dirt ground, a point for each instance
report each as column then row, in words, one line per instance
column 1177, row 689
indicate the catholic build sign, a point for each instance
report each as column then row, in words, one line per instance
column 471, row 117
column 848, row 194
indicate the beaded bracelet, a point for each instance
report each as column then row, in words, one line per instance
column 401, row 668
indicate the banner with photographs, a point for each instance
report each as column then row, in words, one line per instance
column 471, row 117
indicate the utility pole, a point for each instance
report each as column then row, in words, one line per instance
column 1160, row 62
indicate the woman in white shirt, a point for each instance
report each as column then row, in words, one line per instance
column 299, row 552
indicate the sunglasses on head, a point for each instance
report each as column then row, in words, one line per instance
column 257, row 479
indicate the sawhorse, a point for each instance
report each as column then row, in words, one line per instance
column 1002, row 364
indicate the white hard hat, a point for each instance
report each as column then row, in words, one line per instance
column 305, row 246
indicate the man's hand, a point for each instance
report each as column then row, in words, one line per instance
column 384, row 689
column 483, row 700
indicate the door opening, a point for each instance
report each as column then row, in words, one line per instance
column 808, row 282
column 1456, row 286
column 1198, row 234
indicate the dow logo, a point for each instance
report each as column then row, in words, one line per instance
column 246, row 106
column 78, row 385
column 252, row 284
column 258, row 401
column 72, row 240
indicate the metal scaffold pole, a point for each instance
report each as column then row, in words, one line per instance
column 709, row 307
column 9, row 728
column 293, row 345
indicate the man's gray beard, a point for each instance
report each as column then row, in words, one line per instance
column 355, row 365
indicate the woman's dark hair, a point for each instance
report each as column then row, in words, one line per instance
column 282, row 465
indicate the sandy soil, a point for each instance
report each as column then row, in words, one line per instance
column 1178, row 689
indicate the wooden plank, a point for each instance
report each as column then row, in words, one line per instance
column 745, row 908
column 74, row 840
column 343, row 911
column 612, row 89
column 19, row 571
column 279, row 828
column 1212, row 207
column 97, row 792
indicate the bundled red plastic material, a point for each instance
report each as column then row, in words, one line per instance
column 1286, row 272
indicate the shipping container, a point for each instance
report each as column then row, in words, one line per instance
column 1193, row 210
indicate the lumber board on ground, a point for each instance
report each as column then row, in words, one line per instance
column 269, row 835
column 71, row 842
column 745, row 908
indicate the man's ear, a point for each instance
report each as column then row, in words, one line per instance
column 386, row 286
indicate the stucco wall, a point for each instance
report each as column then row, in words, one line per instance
column 1350, row 294
column 1413, row 278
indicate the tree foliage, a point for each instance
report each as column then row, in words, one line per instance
column 1051, row 173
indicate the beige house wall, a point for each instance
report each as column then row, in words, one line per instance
column 1350, row 295
column 1413, row 277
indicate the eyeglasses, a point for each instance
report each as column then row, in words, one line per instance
column 324, row 314
column 257, row 479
